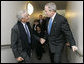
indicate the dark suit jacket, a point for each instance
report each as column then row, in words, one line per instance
column 43, row 24
column 19, row 40
column 60, row 33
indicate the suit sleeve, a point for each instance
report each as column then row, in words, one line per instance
column 35, row 36
column 14, row 43
column 33, row 33
column 67, row 31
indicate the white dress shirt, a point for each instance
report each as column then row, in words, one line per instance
column 53, row 17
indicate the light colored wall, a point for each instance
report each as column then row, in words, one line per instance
column 74, row 14
column 9, row 9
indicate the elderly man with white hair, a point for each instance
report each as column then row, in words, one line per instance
column 21, row 38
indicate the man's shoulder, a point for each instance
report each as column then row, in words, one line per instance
column 15, row 26
column 61, row 16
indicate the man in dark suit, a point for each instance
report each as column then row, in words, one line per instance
column 58, row 32
column 42, row 22
column 21, row 38
column 40, row 19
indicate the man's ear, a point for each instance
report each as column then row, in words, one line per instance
column 22, row 19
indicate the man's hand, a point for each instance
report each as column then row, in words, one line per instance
column 42, row 40
column 74, row 48
column 19, row 59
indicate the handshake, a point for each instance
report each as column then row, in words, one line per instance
column 42, row 40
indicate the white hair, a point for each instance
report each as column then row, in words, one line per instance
column 51, row 6
column 20, row 14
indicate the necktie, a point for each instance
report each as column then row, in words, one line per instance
column 49, row 25
column 28, row 33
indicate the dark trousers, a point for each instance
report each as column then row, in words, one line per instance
column 56, row 56
column 51, row 57
column 39, row 49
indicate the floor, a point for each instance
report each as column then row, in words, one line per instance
column 8, row 57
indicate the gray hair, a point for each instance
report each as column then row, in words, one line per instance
column 19, row 15
column 51, row 6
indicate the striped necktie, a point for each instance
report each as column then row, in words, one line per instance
column 28, row 33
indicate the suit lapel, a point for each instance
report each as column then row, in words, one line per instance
column 22, row 30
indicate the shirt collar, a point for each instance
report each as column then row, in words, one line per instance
column 23, row 24
column 53, row 16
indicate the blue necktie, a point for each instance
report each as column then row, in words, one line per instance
column 28, row 33
column 49, row 25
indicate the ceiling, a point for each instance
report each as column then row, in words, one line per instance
column 39, row 5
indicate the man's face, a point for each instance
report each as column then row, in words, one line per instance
column 26, row 17
column 40, row 17
column 48, row 13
